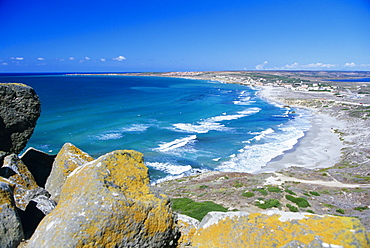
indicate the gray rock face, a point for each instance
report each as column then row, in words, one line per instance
column 20, row 108
column 25, row 186
column 11, row 231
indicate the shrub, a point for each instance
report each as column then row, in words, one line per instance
column 292, row 208
column 274, row 189
column 360, row 208
column 301, row 202
column 237, row 184
column 290, row 192
column 269, row 203
column 262, row 191
column 314, row 193
column 339, row 210
column 248, row 194
column 310, row 211
column 203, row 186
column 194, row 209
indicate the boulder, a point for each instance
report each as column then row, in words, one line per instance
column 19, row 110
column 108, row 202
column 187, row 228
column 39, row 164
column 275, row 228
column 66, row 161
column 11, row 231
column 25, row 186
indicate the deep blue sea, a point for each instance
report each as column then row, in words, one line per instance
column 182, row 126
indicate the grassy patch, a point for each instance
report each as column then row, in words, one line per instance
column 360, row 208
column 314, row 193
column 328, row 205
column 290, row 192
column 203, row 186
column 194, row 209
column 238, row 184
column 248, row 194
column 269, row 203
column 301, row 202
column 274, row 189
column 262, row 191
column 310, row 211
column 292, row 208
column 339, row 210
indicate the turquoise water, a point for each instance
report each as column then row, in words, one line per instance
column 182, row 126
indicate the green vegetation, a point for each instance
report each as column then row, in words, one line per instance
column 360, row 208
column 203, row 186
column 339, row 210
column 248, row 194
column 269, row 203
column 310, row 211
column 314, row 193
column 290, row 192
column 262, row 191
column 274, row 189
column 238, row 184
column 328, row 205
column 292, row 208
column 194, row 209
column 301, row 202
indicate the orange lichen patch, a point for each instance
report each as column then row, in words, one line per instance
column 187, row 232
column 6, row 194
column 106, row 203
column 261, row 230
column 66, row 161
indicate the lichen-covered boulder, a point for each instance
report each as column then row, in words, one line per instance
column 66, row 161
column 278, row 229
column 25, row 186
column 187, row 228
column 20, row 108
column 39, row 164
column 11, row 231
column 108, row 203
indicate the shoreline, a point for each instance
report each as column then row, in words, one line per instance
column 320, row 147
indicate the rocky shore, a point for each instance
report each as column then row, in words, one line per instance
column 74, row 200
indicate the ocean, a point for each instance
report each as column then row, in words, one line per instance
column 182, row 126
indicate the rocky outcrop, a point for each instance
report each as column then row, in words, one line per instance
column 278, row 229
column 67, row 160
column 39, row 164
column 187, row 227
column 11, row 231
column 108, row 203
column 25, row 186
column 19, row 111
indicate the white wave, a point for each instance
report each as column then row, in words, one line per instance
column 136, row 128
column 202, row 127
column 177, row 143
column 260, row 135
column 109, row 136
column 212, row 123
column 169, row 168
column 253, row 158
column 184, row 174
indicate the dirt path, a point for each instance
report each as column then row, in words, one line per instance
column 279, row 179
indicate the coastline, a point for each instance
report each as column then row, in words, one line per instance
column 320, row 147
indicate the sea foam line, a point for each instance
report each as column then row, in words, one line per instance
column 177, row 143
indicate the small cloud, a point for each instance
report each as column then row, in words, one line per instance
column 119, row 58
column 4, row 63
column 102, row 59
column 311, row 66
column 40, row 59
column 261, row 66
column 352, row 64
column 71, row 58
column 19, row 58
column 87, row 58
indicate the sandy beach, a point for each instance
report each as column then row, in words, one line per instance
column 319, row 148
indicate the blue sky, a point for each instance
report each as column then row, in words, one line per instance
column 179, row 35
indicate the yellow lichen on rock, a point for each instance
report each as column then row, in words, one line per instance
column 270, row 230
column 108, row 202
column 66, row 161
